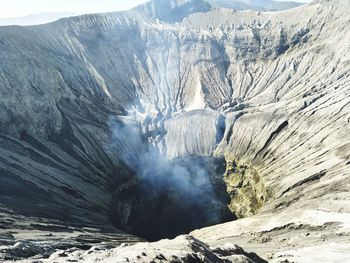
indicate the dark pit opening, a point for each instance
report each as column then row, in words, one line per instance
column 172, row 198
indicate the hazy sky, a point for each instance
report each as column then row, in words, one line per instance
column 15, row 8
column 12, row 8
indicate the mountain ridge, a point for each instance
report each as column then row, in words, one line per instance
column 34, row 19
column 265, row 91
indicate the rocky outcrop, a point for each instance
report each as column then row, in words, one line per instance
column 269, row 90
column 246, row 189
column 184, row 249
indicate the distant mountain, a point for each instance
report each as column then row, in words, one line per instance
column 261, row 5
column 173, row 10
column 34, row 19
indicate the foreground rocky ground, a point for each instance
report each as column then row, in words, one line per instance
column 106, row 122
column 181, row 249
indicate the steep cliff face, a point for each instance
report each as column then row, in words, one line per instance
column 184, row 78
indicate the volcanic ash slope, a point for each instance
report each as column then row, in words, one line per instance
column 268, row 91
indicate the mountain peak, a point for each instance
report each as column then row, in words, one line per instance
column 172, row 11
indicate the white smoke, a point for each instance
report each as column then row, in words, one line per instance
column 188, row 181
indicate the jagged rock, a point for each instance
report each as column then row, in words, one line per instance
column 246, row 189
column 24, row 250
column 184, row 249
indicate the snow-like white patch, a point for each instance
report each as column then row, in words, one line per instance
column 198, row 99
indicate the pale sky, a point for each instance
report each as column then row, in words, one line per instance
column 16, row 8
